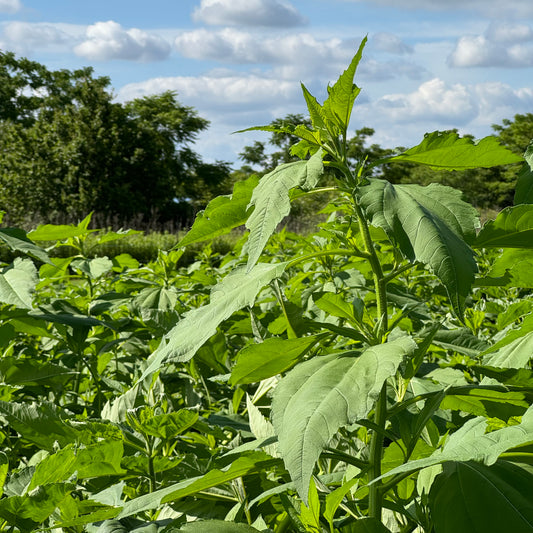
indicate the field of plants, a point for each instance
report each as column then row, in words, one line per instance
column 373, row 376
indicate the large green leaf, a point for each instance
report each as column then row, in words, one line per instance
column 471, row 443
column 446, row 150
column 237, row 290
column 431, row 225
column 268, row 358
column 524, row 183
column 17, row 283
column 272, row 202
column 319, row 396
column 474, row 498
column 512, row 228
column 222, row 214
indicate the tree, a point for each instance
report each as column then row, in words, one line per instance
column 66, row 148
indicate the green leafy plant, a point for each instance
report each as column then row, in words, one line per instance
column 374, row 376
column 386, row 400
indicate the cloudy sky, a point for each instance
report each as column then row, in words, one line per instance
column 428, row 65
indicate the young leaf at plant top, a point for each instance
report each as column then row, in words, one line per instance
column 323, row 394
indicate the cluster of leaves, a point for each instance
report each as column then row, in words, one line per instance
column 372, row 377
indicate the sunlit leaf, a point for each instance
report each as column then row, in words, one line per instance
column 323, row 394
column 446, row 150
column 431, row 225
column 272, row 201
column 237, row 290
column 512, row 228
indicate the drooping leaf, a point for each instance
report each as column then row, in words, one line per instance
column 222, row 214
column 474, row 498
column 17, row 283
column 319, row 396
column 487, row 403
column 248, row 464
column 237, row 290
column 512, row 228
column 272, row 202
column 36, row 507
column 524, row 184
column 269, row 358
column 431, row 225
column 446, row 150
column 17, row 240
column 471, row 443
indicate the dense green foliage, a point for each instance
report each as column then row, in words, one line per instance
column 66, row 149
column 374, row 376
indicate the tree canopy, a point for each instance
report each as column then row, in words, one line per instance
column 67, row 148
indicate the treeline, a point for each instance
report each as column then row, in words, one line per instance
column 67, row 149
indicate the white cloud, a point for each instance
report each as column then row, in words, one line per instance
column 109, row 40
column 10, row 6
column 402, row 119
column 219, row 92
column 248, row 13
column 433, row 100
column 24, row 37
column 502, row 45
column 493, row 8
column 298, row 56
column 387, row 42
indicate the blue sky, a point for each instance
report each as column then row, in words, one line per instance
column 428, row 65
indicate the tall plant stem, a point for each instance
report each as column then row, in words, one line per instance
column 375, row 495
column 380, row 281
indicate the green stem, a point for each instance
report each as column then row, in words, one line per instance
column 375, row 495
column 380, row 281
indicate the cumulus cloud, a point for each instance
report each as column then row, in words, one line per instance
column 433, row 100
column 227, row 91
column 502, row 45
column 387, row 42
column 248, row 13
column 297, row 56
column 25, row 37
column 10, row 6
column 109, row 40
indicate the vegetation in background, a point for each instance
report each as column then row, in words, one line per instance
column 66, row 149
